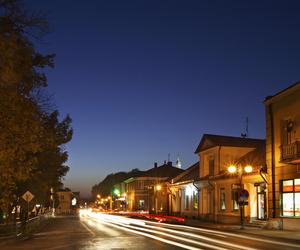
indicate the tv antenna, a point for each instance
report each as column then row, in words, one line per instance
column 246, row 134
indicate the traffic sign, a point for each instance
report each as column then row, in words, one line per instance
column 243, row 195
column 27, row 196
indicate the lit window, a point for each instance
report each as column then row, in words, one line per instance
column 290, row 198
column 235, row 196
column 222, row 199
column 195, row 201
column 187, row 201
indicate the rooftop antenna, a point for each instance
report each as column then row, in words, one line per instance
column 168, row 157
column 246, row 134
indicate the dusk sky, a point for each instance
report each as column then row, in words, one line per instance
column 142, row 79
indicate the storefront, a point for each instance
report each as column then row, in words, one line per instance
column 290, row 197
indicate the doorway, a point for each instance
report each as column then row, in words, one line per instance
column 261, row 202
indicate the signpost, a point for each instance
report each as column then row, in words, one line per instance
column 243, row 201
column 27, row 196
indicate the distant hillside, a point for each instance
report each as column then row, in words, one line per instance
column 104, row 187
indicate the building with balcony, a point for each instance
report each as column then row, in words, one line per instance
column 283, row 156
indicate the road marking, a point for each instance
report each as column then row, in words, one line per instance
column 88, row 229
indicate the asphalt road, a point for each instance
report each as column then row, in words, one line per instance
column 104, row 231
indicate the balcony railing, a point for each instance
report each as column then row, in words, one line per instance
column 290, row 153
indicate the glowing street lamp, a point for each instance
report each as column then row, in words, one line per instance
column 240, row 171
column 232, row 169
column 248, row 169
column 98, row 196
column 158, row 187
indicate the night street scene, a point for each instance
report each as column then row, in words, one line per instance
column 149, row 125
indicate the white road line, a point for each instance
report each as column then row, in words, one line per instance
column 87, row 228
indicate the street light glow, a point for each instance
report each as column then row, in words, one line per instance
column 248, row 169
column 232, row 169
column 158, row 187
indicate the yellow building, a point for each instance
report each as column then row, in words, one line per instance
column 184, row 193
column 219, row 189
column 283, row 157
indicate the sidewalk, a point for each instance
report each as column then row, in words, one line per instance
column 280, row 234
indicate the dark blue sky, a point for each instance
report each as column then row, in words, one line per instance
column 142, row 79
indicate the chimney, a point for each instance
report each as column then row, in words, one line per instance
column 169, row 163
column 155, row 164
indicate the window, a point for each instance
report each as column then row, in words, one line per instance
column 195, row 201
column 286, row 132
column 222, row 199
column 187, row 202
column 235, row 196
column 290, row 198
column 211, row 164
column 141, row 204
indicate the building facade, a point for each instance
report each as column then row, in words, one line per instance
column 183, row 194
column 68, row 202
column 283, row 157
column 148, row 192
column 219, row 189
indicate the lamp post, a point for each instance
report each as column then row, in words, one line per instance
column 243, row 193
column 157, row 188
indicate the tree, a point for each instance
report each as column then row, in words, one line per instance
column 31, row 138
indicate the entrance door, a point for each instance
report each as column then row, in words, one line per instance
column 261, row 209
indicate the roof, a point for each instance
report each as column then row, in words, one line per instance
column 210, row 141
column 165, row 170
column 190, row 174
column 255, row 158
column 296, row 85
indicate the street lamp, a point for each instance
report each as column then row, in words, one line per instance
column 243, row 194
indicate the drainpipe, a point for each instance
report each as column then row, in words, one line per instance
column 272, row 159
column 198, row 191
column 219, row 158
column 261, row 175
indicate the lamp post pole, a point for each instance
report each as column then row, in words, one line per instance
column 243, row 194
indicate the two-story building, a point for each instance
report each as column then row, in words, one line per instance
column 68, row 201
column 283, row 157
column 219, row 189
column 147, row 192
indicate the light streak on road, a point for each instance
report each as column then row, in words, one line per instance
column 228, row 234
column 137, row 226
column 189, row 234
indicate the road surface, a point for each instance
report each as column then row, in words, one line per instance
column 110, row 232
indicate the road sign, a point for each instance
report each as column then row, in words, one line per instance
column 27, row 196
column 243, row 195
